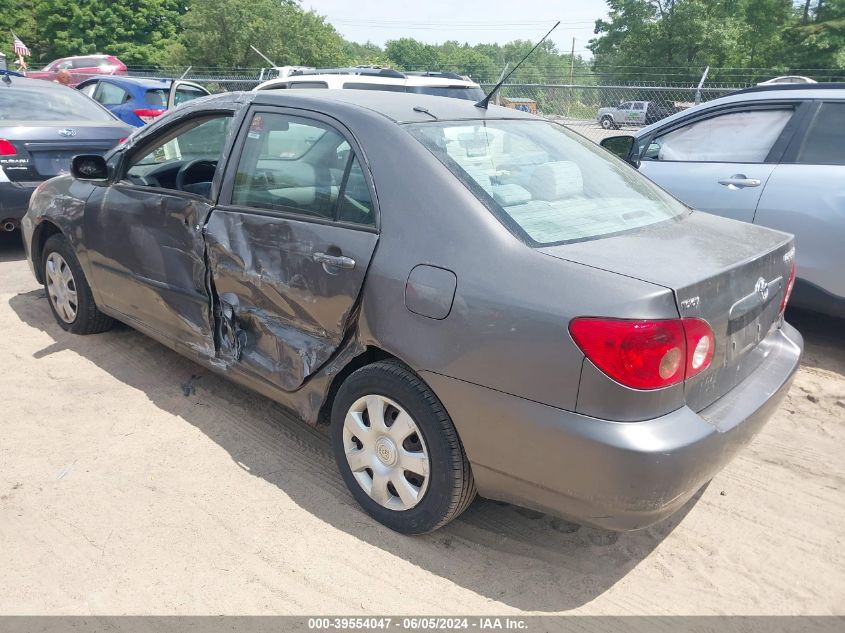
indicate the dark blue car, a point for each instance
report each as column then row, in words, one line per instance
column 138, row 100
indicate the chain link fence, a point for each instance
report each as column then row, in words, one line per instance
column 596, row 111
column 601, row 111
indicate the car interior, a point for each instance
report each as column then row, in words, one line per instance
column 185, row 160
column 291, row 165
column 544, row 182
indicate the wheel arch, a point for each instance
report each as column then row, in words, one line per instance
column 43, row 232
column 372, row 354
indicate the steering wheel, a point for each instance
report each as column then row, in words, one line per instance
column 182, row 174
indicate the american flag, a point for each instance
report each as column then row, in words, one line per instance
column 20, row 48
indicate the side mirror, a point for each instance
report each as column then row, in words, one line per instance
column 89, row 167
column 619, row 145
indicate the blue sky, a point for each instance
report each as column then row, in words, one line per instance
column 470, row 21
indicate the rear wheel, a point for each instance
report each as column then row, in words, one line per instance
column 398, row 451
column 68, row 291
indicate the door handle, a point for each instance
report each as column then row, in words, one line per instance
column 739, row 181
column 336, row 261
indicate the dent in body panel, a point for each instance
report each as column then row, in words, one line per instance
column 147, row 261
column 282, row 314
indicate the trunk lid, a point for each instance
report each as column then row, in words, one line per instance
column 731, row 274
column 45, row 151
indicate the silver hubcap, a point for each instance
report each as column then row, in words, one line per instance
column 386, row 452
column 61, row 287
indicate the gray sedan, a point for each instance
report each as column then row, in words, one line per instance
column 773, row 155
column 475, row 300
column 42, row 125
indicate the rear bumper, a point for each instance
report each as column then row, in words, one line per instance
column 615, row 475
column 14, row 199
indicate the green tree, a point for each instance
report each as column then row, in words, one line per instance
column 220, row 32
column 137, row 31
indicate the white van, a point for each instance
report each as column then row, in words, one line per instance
column 442, row 84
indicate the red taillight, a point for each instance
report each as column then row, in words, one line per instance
column 645, row 354
column 790, row 284
column 6, row 148
column 147, row 115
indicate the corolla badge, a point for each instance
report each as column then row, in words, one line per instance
column 67, row 132
column 762, row 288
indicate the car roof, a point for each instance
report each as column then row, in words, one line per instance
column 772, row 92
column 400, row 107
column 337, row 79
column 142, row 82
column 94, row 55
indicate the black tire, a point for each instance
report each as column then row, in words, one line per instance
column 88, row 319
column 607, row 123
column 450, row 488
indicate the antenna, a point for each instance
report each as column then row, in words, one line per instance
column 486, row 100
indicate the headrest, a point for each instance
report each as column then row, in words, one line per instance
column 553, row 181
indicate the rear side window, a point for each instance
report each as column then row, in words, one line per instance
column 298, row 165
column 825, row 140
column 734, row 137
column 357, row 85
column 110, row 95
column 308, row 85
column 544, row 183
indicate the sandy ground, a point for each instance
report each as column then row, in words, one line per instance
column 134, row 482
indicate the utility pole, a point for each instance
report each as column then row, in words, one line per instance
column 572, row 61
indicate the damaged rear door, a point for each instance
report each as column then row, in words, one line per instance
column 289, row 246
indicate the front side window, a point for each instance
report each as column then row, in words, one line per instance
column 735, row 137
column 825, row 140
column 298, row 165
column 545, row 183
column 624, row 106
column 638, row 106
column 194, row 148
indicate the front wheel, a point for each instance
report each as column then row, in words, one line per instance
column 398, row 451
column 68, row 291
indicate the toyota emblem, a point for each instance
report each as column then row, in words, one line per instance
column 762, row 288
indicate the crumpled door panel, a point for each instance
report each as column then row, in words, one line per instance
column 280, row 313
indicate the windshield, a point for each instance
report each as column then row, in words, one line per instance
column 545, row 183
column 28, row 103
column 472, row 93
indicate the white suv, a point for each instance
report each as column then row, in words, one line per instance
column 442, row 84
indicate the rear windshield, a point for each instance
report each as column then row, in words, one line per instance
column 545, row 183
column 48, row 103
column 456, row 92
column 156, row 97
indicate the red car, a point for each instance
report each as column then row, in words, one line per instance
column 81, row 68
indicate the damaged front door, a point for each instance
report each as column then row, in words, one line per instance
column 144, row 233
column 289, row 252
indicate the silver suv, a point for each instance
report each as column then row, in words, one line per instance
column 636, row 113
column 772, row 155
